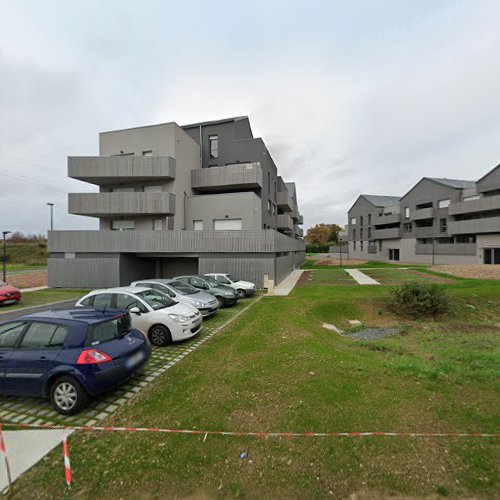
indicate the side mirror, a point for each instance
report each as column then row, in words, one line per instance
column 135, row 310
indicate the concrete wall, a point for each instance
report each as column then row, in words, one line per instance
column 489, row 182
column 208, row 207
column 486, row 241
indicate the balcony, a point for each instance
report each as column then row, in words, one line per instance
column 284, row 201
column 385, row 219
column 103, row 170
column 231, row 177
column 297, row 218
column 474, row 226
column 423, row 213
column 284, row 222
column 386, row 234
column 118, row 204
column 446, row 248
column 481, row 205
column 426, row 232
column 299, row 232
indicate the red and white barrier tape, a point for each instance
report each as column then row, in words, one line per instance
column 3, row 449
column 259, row 434
column 67, row 463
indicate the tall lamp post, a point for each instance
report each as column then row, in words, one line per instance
column 4, row 259
column 340, row 250
column 433, row 250
column 51, row 205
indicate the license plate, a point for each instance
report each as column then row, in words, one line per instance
column 10, row 301
column 135, row 359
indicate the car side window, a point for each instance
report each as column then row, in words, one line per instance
column 164, row 289
column 43, row 336
column 10, row 332
column 196, row 282
column 102, row 301
column 88, row 301
column 124, row 301
column 223, row 280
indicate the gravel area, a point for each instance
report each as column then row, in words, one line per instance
column 479, row 271
column 28, row 280
column 374, row 333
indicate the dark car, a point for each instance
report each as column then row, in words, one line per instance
column 9, row 294
column 224, row 294
column 69, row 355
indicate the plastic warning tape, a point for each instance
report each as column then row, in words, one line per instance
column 92, row 428
column 67, row 463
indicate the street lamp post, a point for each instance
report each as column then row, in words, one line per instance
column 4, row 259
column 340, row 250
column 51, row 205
column 433, row 253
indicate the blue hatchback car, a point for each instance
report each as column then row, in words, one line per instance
column 69, row 355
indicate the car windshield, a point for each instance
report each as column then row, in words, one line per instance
column 231, row 278
column 183, row 288
column 211, row 281
column 156, row 300
column 108, row 330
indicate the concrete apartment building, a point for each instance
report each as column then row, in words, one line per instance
column 175, row 200
column 441, row 221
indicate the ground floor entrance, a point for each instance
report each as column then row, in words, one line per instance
column 394, row 254
column 491, row 255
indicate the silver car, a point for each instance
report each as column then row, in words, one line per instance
column 184, row 293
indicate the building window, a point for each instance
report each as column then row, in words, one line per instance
column 380, row 245
column 369, row 233
column 354, row 234
column 268, row 182
column 227, row 224
column 269, row 205
column 369, row 219
column 361, row 245
column 157, row 224
column 443, row 225
column 213, row 141
column 407, row 212
column 147, row 153
column 472, row 198
column 361, row 220
column 198, row 225
column 444, row 203
column 354, row 245
column 122, row 225
column 361, row 234
column 353, row 221
column 407, row 227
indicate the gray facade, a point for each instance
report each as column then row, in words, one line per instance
column 175, row 200
column 439, row 221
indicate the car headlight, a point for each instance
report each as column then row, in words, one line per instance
column 178, row 317
column 229, row 294
column 197, row 303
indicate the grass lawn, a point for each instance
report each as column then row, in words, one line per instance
column 277, row 369
column 26, row 254
column 399, row 276
column 41, row 297
column 312, row 264
column 14, row 268
column 330, row 277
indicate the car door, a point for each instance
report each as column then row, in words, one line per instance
column 125, row 301
column 10, row 333
column 34, row 356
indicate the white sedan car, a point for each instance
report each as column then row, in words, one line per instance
column 243, row 288
column 162, row 319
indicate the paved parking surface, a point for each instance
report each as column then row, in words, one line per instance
column 38, row 411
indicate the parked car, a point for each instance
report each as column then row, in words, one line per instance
column 9, row 294
column 69, row 355
column 163, row 319
column 224, row 294
column 243, row 288
column 182, row 292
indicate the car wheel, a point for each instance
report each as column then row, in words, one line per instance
column 220, row 300
column 241, row 293
column 160, row 336
column 67, row 395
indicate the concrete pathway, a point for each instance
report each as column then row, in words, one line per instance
column 34, row 289
column 361, row 278
column 24, row 449
column 286, row 286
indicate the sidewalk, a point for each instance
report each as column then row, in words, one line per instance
column 286, row 286
column 34, row 289
column 24, row 449
column 361, row 278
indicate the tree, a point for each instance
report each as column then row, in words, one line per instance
column 321, row 234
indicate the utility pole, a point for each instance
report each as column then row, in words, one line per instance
column 4, row 259
column 51, row 205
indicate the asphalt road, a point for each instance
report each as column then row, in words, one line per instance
column 8, row 316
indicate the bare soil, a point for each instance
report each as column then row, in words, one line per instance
column 28, row 280
column 336, row 262
column 479, row 271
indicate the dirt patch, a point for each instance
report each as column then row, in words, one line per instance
column 478, row 271
column 28, row 280
column 304, row 279
column 435, row 279
column 336, row 262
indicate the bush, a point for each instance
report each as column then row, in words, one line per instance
column 419, row 300
column 313, row 248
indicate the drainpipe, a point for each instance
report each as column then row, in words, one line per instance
column 201, row 149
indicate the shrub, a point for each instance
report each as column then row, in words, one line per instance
column 419, row 300
column 313, row 248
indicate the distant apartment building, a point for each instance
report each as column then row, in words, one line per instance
column 175, row 200
column 441, row 221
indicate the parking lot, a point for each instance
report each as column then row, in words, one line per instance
column 38, row 411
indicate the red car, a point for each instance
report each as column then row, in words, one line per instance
column 9, row 294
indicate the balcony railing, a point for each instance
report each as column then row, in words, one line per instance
column 426, row 232
column 243, row 176
column 284, row 222
column 385, row 219
column 423, row 213
column 284, row 201
column 130, row 204
column 102, row 170
column 385, row 234
column 481, row 205
column 446, row 248
column 474, row 226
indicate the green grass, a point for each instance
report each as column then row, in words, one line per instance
column 26, row 254
column 41, row 297
column 399, row 276
column 15, row 268
column 276, row 368
column 311, row 264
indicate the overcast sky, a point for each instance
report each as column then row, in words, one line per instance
column 350, row 96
